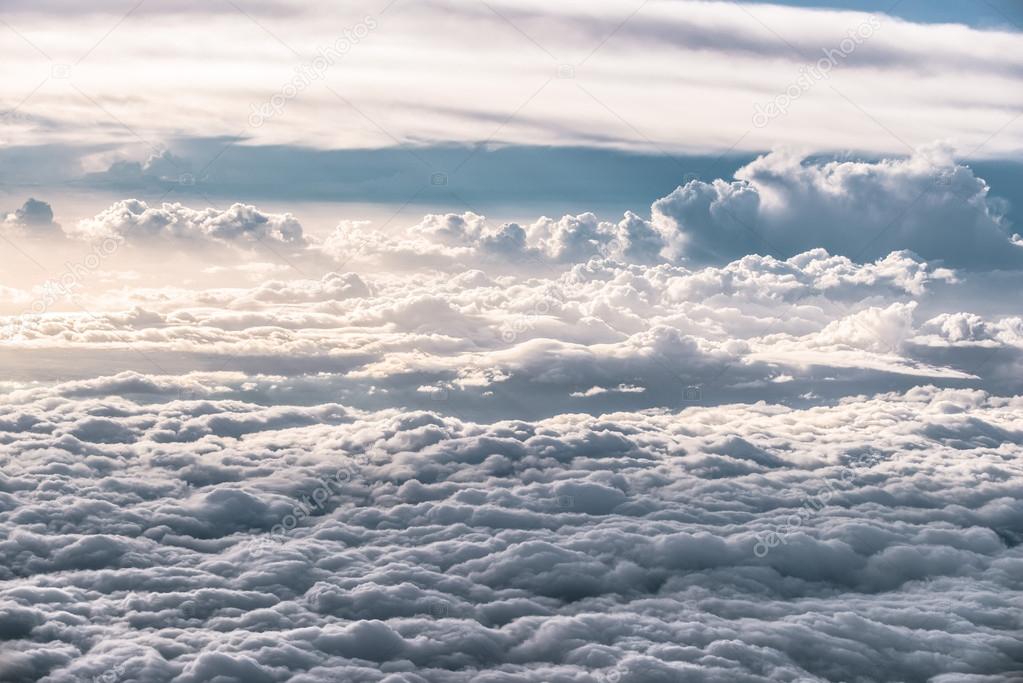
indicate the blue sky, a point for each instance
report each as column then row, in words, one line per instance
column 997, row 14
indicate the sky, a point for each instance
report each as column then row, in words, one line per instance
column 990, row 14
column 119, row 96
column 479, row 341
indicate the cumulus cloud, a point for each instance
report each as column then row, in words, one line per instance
column 595, row 325
column 766, row 429
column 833, row 543
column 135, row 220
column 33, row 219
column 926, row 207
column 570, row 449
column 782, row 204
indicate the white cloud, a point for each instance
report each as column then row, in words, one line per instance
column 783, row 205
column 134, row 219
column 770, row 429
column 919, row 82
column 552, row 451
column 597, row 391
column 780, row 204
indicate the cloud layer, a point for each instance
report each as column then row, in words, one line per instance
column 570, row 449
column 186, row 540
column 577, row 74
column 780, row 204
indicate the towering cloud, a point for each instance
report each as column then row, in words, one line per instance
column 782, row 204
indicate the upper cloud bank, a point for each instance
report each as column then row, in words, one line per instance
column 780, row 204
column 589, row 74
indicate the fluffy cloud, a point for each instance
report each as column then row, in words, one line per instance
column 135, row 220
column 184, row 540
column 782, row 204
column 566, row 450
column 33, row 219
column 600, row 324
column 769, row 429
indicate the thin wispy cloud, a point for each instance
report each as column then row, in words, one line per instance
column 675, row 76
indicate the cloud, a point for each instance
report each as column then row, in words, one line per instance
column 547, row 451
column 573, row 548
column 782, row 204
column 33, row 219
column 113, row 8
column 539, row 334
column 768, row 430
column 875, row 329
column 135, row 220
column 160, row 168
column 596, row 391
column 921, row 81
